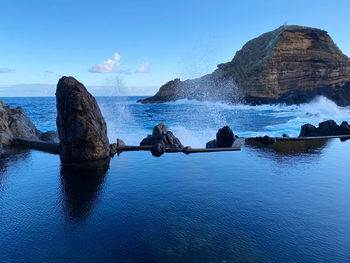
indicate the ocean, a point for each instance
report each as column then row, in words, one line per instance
column 255, row 205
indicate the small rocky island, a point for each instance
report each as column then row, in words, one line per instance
column 292, row 65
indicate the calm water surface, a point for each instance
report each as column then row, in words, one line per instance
column 257, row 205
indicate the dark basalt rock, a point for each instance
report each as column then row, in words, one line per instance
column 158, row 150
column 344, row 128
column 161, row 137
column 326, row 128
column 81, row 127
column 284, row 135
column 291, row 64
column 211, row 144
column 224, row 138
column 308, row 130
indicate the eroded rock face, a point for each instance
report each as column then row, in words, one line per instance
column 161, row 139
column 14, row 123
column 81, row 127
column 292, row 64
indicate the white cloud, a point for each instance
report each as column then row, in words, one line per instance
column 143, row 68
column 107, row 66
column 5, row 70
column 178, row 73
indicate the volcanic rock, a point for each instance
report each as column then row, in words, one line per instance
column 81, row 127
column 308, row 130
column 211, row 144
column 161, row 139
column 224, row 138
column 326, row 128
column 292, row 64
column 345, row 128
column 14, row 123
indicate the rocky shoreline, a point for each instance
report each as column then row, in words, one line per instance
column 82, row 131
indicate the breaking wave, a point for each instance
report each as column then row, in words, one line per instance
column 196, row 122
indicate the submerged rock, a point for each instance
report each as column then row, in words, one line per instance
column 291, row 64
column 326, row 128
column 81, row 127
column 161, row 139
column 224, row 138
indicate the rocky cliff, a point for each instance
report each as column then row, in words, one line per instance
column 291, row 64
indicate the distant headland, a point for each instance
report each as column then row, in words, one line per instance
column 291, row 64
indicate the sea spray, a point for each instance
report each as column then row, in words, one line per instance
column 195, row 122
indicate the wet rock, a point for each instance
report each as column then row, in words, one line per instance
column 159, row 130
column 116, row 147
column 158, row 150
column 81, row 127
column 162, row 136
column 328, row 128
column 211, row 144
column 49, row 136
column 225, row 137
column 344, row 128
column 285, row 135
column 187, row 149
column 308, row 130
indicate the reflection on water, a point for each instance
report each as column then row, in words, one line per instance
column 81, row 185
column 290, row 147
column 13, row 156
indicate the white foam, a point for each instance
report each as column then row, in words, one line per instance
column 200, row 125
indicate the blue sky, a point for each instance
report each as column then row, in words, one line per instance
column 133, row 47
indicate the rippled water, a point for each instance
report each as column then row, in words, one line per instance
column 256, row 205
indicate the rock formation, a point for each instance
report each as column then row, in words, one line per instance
column 292, row 64
column 326, row 128
column 81, row 127
column 224, row 138
column 14, row 123
column 161, row 139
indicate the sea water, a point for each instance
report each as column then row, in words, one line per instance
column 256, row 205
